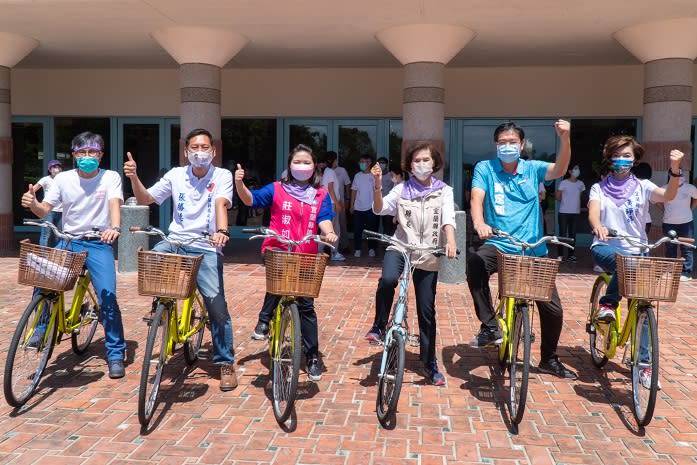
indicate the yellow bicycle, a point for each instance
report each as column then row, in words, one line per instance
column 642, row 280
column 45, row 320
column 168, row 277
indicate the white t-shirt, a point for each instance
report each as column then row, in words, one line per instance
column 678, row 210
column 85, row 201
column 364, row 185
column 570, row 196
column 46, row 184
column 628, row 219
column 328, row 176
column 193, row 201
column 343, row 177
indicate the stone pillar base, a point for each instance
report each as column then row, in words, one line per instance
column 7, row 241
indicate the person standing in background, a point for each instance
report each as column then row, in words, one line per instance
column 55, row 216
column 677, row 217
column 362, row 190
column 344, row 181
column 386, row 186
column 569, row 196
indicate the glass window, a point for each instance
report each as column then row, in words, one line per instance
column 27, row 167
column 68, row 127
column 252, row 144
column 354, row 142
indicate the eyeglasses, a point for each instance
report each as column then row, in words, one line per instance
column 87, row 153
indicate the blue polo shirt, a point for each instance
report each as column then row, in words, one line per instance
column 511, row 201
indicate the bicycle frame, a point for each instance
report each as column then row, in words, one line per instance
column 275, row 335
column 400, row 311
column 179, row 332
column 506, row 312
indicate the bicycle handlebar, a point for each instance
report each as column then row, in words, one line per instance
column 261, row 232
column 153, row 231
column 94, row 234
column 565, row 241
column 438, row 251
column 671, row 237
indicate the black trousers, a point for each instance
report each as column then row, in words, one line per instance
column 308, row 320
column 425, row 289
column 480, row 266
column 567, row 228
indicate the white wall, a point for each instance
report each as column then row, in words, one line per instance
column 337, row 92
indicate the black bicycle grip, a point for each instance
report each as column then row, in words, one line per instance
column 567, row 240
column 253, row 230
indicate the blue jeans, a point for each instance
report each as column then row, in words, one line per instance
column 47, row 238
column 210, row 285
column 683, row 230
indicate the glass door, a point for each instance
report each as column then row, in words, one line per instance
column 144, row 138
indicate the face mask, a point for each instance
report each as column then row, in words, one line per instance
column 508, row 153
column 622, row 165
column 383, row 166
column 395, row 180
column 302, row 172
column 200, row 159
column 54, row 171
column 87, row 164
column 423, row 170
column 362, row 166
column 575, row 173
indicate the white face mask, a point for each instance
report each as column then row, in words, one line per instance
column 395, row 180
column 575, row 173
column 422, row 170
column 200, row 159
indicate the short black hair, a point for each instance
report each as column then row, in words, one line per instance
column 508, row 126
column 198, row 132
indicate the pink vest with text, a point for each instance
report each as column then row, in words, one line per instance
column 293, row 219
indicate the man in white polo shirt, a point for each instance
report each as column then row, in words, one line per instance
column 201, row 194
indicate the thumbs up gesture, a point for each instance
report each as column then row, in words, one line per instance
column 239, row 174
column 29, row 198
column 129, row 167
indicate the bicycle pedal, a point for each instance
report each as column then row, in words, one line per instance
column 414, row 340
column 203, row 354
column 148, row 320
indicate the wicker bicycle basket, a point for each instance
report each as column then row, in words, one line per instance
column 48, row 268
column 296, row 274
column 649, row 278
column 166, row 274
column 524, row 277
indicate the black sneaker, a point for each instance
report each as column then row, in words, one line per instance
column 116, row 369
column 434, row 376
column 554, row 367
column 261, row 331
column 314, row 372
column 375, row 335
column 486, row 337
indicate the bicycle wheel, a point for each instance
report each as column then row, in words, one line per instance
column 285, row 362
column 29, row 351
column 198, row 317
column 646, row 332
column 519, row 364
column 599, row 333
column 154, row 359
column 390, row 382
column 81, row 337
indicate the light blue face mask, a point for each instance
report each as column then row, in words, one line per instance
column 622, row 165
column 508, row 153
column 87, row 164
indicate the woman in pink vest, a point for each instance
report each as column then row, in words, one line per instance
column 299, row 205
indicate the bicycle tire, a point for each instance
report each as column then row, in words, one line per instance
column 81, row 337
column 198, row 314
column 644, row 400
column 154, row 359
column 598, row 333
column 285, row 362
column 390, row 382
column 519, row 364
column 25, row 365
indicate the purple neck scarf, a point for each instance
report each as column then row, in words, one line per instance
column 413, row 189
column 305, row 193
column 619, row 190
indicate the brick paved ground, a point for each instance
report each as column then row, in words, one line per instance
column 80, row 416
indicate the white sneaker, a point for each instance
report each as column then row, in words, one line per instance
column 645, row 379
column 685, row 278
column 606, row 314
column 357, row 254
column 597, row 269
column 337, row 257
column 371, row 253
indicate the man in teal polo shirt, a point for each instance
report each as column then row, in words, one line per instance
column 505, row 196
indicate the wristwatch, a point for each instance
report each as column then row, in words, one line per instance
column 116, row 228
column 670, row 172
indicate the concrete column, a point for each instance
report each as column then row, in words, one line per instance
column 13, row 48
column 424, row 50
column 201, row 53
column 667, row 49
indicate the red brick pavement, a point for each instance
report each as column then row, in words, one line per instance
column 80, row 416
